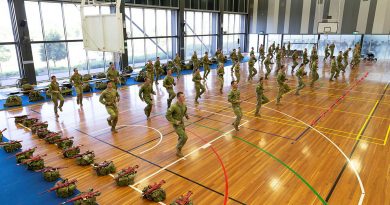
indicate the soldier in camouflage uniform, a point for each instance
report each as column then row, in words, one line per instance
column 261, row 99
column 233, row 57
column 177, row 63
column 331, row 47
column 299, row 75
column 206, row 65
column 314, row 73
column 356, row 56
column 113, row 75
column 217, row 53
column 239, row 55
column 237, row 71
column 304, row 56
column 55, row 92
column 77, row 81
column 295, row 60
column 267, row 63
column 345, row 57
column 252, row 51
column 150, row 71
column 278, row 61
column 157, row 69
column 333, row 70
column 109, row 98
column 220, row 73
column 277, row 49
column 313, row 57
column 283, row 87
column 168, row 84
column 175, row 115
column 340, row 65
column 252, row 69
column 234, row 99
column 145, row 95
column 288, row 48
column 195, row 62
column 270, row 52
column 199, row 88
column 326, row 52
column 262, row 53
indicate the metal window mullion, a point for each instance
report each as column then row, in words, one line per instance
column 131, row 41
column 66, row 37
column 44, row 38
column 144, row 32
column 166, row 32
column 155, row 31
column 86, row 56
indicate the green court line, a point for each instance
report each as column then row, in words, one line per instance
column 275, row 158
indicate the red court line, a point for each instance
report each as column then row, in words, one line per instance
column 223, row 168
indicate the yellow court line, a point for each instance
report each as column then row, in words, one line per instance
column 366, row 122
column 337, row 96
column 337, row 110
column 387, row 136
column 303, row 127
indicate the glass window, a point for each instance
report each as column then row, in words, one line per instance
column 151, row 49
column 130, row 52
column 225, row 23
column 253, row 42
column 91, row 10
column 189, row 19
column 77, row 57
column 108, row 57
column 138, row 22
column 198, row 23
column 128, row 24
column 198, row 45
column 162, row 23
column 105, row 10
column 189, row 42
column 206, row 23
column 171, row 30
column 40, row 63
column 72, row 21
column 139, row 52
column 237, row 24
column 95, row 62
column 377, row 44
column 52, row 21
column 150, row 23
column 9, row 68
column 57, row 59
column 171, row 48
column 6, row 34
column 162, row 49
column 33, row 20
column 225, row 44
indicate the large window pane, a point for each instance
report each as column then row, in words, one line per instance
column 130, row 52
column 77, row 57
column 109, row 57
column 198, row 23
column 198, row 45
column 189, row 42
column 57, row 59
column 95, row 62
column 162, row 49
column 171, row 47
column 33, row 20
column 231, row 23
column 253, row 42
column 91, row 10
column 150, row 23
column 189, row 19
column 170, row 23
column 72, row 21
column 52, row 21
column 162, row 23
column 9, row 68
column 139, row 52
column 150, row 49
column 6, row 34
column 138, row 22
column 40, row 64
column 128, row 24
column 237, row 24
column 105, row 10
column 206, row 23
column 378, row 44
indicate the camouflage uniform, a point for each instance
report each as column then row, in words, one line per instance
column 233, row 57
column 252, row 52
column 283, row 87
column 267, row 62
column 261, row 99
column 175, row 116
column 55, row 92
column 252, row 69
column 145, row 95
column 113, row 76
column 168, row 83
column 206, row 65
column 331, row 47
column 340, row 65
column 199, row 88
column 262, row 54
column 237, row 72
column 295, row 60
column 288, row 49
column 270, row 52
column 314, row 74
column 109, row 97
column 220, row 72
column 221, row 58
column 333, row 70
column 195, row 62
column 77, row 82
column 299, row 75
column 345, row 57
column 234, row 99
column 177, row 63
column 150, row 72
column 158, row 70
column 305, row 59
column 326, row 52
column 278, row 61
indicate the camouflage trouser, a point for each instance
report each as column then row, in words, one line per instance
column 237, row 74
column 305, row 61
column 113, row 112
column 148, row 107
column 206, row 71
column 262, row 58
column 114, row 84
column 151, row 77
column 283, row 88
column 332, row 74
column 172, row 95
column 55, row 97
column 301, row 85
column 345, row 63
column 199, row 89
column 268, row 71
column 314, row 78
column 278, row 65
column 340, row 67
column 178, row 70
column 79, row 93
column 182, row 136
column 326, row 55
column 261, row 99
column 157, row 76
column 295, row 63
column 238, row 113
column 252, row 72
column 195, row 65
column 220, row 80
column 331, row 52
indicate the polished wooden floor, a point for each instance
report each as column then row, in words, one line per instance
column 274, row 159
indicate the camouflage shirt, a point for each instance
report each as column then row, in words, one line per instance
column 54, row 86
column 176, row 112
column 196, row 78
column 234, row 97
column 146, row 91
column 77, row 79
column 112, row 75
column 168, row 82
column 109, row 97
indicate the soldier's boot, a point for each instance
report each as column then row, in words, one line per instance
column 113, row 129
column 178, row 153
column 81, row 101
column 56, row 114
column 220, row 90
column 236, row 126
column 77, row 99
column 169, row 103
column 109, row 121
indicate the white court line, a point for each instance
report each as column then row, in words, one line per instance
column 197, row 149
column 211, row 112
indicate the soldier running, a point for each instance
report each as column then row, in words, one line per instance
column 109, row 98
